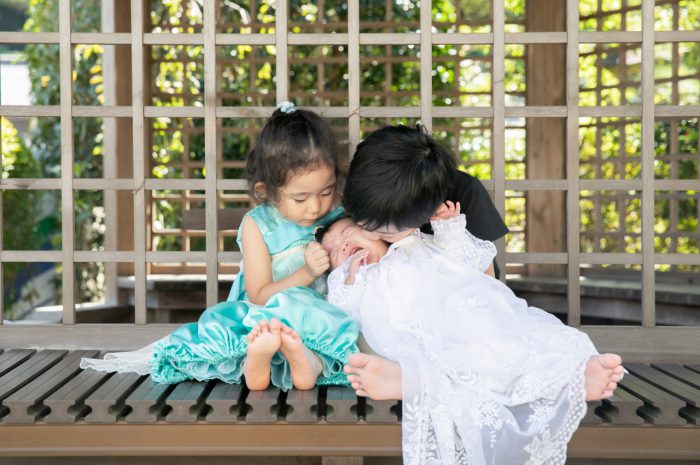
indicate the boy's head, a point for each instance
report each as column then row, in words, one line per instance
column 344, row 238
column 398, row 177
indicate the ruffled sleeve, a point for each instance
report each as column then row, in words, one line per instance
column 343, row 296
column 452, row 236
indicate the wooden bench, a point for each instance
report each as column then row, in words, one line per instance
column 50, row 407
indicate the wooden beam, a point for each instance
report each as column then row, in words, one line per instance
column 546, row 137
column 678, row 344
column 123, row 136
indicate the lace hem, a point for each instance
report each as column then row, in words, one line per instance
column 440, row 431
column 137, row 361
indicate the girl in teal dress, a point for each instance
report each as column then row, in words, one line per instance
column 276, row 327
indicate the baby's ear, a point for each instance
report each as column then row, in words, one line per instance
column 260, row 190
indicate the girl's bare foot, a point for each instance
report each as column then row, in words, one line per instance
column 602, row 374
column 263, row 342
column 304, row 365
column 374, row 377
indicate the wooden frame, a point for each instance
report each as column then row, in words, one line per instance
column 138, row 111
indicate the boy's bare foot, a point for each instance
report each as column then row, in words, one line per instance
column 303, row 363
column 263, row 342
column 602, row 374
column 374, row 377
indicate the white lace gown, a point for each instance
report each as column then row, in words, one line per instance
column 486, row 379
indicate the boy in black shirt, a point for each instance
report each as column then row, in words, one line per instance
column 374, row 194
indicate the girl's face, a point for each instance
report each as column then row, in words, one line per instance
column 307, row 197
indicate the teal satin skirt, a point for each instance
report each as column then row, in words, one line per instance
column 215, row 346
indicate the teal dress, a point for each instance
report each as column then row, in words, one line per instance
column 215, row 346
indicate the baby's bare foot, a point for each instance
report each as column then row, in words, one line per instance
column 374, row 377
column 602, row 374
column 305, row 366
column 263, row 341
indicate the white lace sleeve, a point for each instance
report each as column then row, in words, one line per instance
column 452, row 236
column 346, row 297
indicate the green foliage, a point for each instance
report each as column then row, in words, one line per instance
column 20, row 215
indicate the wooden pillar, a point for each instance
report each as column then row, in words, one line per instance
column 125, row 164
column 546, row 137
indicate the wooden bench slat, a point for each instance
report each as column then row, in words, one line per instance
column 591, row 417
column 187, row 401
column 107, row 402
column 621, row 409
column 13, row 357
column 67, row 403
column 23, row 373
column 382, row 411
column 26, row 404
column 147, row 402
column 341, row 405
column 661, row 408
column 695, row 368
column 667, row 383
column 303, row 406
column 262, row 406
column 27, row 371
column 224, row 402
column 680, row 372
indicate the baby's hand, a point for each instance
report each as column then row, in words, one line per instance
column 446, row 211
column 357, row 260
column 316, row 259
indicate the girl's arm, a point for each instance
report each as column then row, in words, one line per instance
column 258, row 267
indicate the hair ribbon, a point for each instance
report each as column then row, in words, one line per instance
column 286, row 107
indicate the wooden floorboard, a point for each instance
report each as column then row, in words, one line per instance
column 46, row 389
column 46, row 386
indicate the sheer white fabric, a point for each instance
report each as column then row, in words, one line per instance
column 486, row 379
column 135, row 361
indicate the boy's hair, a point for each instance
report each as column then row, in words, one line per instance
column 398, row 176
column 290, row 144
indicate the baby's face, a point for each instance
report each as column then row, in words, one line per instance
column 344, row 238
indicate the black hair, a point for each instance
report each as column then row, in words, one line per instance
column 321, row 231
column 398, row 176
column 290, row 144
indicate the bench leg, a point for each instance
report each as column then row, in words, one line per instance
column 333, row 460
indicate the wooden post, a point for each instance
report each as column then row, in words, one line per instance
column 123, row 145
column 546, row 137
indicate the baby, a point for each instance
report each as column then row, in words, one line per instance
column 351, row 248
column 462, row 344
